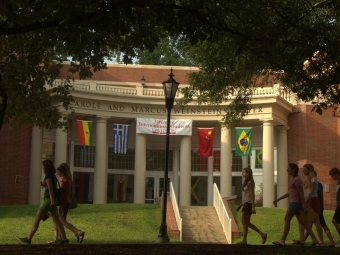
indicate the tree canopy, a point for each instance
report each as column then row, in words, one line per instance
column 234, row 42
column 170, row 51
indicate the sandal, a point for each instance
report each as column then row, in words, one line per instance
column 80, row 236
column 316, row 244
column 298, row 242
column 277, row 243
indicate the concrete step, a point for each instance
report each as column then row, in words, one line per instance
column 201, row 225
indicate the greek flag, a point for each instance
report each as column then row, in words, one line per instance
column 121, row 138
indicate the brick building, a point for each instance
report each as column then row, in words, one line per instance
column 283, row 131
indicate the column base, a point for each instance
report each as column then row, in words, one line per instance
column 163, row 239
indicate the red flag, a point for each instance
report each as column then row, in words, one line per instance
column 205, row 141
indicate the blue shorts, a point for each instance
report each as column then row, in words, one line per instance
column 296, row 207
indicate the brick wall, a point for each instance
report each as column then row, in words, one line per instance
column 315, row 139
column 14, row 160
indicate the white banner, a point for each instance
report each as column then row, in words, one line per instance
column 158, row 127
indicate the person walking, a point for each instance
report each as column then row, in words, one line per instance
column 335, row 174
column 48, row 205
column 248, row 206
column 322, row 218
column 63, row 171
column 296, row 204
column 312, row 201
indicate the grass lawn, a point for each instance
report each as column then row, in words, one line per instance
column 109, row 223
column 131, row 223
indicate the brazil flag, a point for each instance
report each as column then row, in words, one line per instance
column 243, row 141
column 258, row 161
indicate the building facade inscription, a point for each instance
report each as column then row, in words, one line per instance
column 152, row 110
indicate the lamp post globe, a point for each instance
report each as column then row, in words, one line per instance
column 170, row 87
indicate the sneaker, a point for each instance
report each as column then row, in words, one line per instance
column 80, row 237
column 60, row 241
column 337, row 245
column 24, row 240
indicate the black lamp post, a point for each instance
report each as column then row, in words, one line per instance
column 170, row 89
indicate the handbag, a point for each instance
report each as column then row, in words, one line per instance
column 60, row 194
column 73, row 203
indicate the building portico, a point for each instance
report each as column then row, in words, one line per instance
column 106, row 102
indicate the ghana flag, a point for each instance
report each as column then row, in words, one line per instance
column 243, row 141
column 85, row 132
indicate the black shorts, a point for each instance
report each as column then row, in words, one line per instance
column 336, row 216
column 247, row 207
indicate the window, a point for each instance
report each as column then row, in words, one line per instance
column 84, row 156
column 155, row 160
column 198, row 163
column 237, row 163
column 48, row 151
column 121, row 161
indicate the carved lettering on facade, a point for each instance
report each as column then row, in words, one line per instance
column 257, row 109
column 155, row 110
column 116, row 108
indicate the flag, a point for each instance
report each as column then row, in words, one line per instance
column 120, row 138
column 85, row 132
column 205, row 141
column 85, row 187
column 243, row 141
column 258, row 161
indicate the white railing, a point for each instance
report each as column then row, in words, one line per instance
column 114, row 89
column 222, row 213
column 176, row 210
column 275, row 90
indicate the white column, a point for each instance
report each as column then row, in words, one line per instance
column 100, row 165
column 72, row 157
column 185, row 171
column 175, row 171
column 140, row 169
column 210, row 181
column 268, row 163
column 35, row 166
column 226, row 163
column 282, row 164
column 60, row 147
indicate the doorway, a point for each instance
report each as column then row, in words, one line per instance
column 154, row 187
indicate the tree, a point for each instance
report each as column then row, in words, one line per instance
column 170, row 51
column 240, row 39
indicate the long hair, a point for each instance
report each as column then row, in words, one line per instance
column 249, row 177
column 295, row 168
column 310, row 174
column 48, row 167
column 65, row 169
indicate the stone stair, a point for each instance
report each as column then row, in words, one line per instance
column 200, row 224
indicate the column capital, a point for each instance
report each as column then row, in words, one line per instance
column 267, row 121
column 102, row 118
